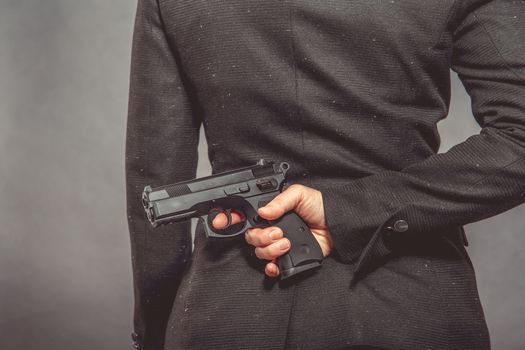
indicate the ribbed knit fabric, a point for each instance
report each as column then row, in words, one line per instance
column 349, row 93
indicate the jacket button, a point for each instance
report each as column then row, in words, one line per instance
column 400, row 226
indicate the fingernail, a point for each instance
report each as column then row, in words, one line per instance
column 275, row 234
column 284, row 244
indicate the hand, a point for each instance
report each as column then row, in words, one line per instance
column 269, row 242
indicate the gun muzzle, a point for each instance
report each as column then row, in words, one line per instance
column 148, row 206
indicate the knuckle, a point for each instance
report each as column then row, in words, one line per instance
column 298, row 188
column 254, row 239
column 297, row 192
column 259, row 253
column 278, row 230
column 248, row 236
column 274, row 251
column 264, row 238
column 295, row 186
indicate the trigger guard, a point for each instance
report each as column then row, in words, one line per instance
column 229, row 231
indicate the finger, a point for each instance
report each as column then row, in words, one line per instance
column 221, row 220
column 272, row 270
column 263, row 237
column 282, row 203
column 237, row 217
column 274, row 250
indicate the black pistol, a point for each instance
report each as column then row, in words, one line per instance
column 243, row 190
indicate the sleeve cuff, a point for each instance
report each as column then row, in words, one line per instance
column 353, row 221
column 362, row 234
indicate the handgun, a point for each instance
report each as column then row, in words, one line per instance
column 243, row 190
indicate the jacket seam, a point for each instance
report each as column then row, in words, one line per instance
column 448, row 21
column 491, row 40
column 496, row 171
column 305, row 173
column 296, row 110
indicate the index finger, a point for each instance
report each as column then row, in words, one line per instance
column 221, row 220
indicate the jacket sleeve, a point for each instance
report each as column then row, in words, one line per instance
column 161, row 147
column 478, row 178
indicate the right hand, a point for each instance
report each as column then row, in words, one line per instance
column 269, row 241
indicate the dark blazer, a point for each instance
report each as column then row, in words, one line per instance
column 349, row 93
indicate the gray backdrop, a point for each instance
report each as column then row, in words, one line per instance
column 65, row 274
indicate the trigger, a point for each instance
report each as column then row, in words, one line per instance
column 228, row 213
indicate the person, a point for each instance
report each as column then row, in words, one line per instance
column 349, row 94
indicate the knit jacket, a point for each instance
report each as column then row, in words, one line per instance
column 349, row 93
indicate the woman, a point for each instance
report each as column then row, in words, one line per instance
column 348, row 93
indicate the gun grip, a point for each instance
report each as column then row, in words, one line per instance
column 305, row 252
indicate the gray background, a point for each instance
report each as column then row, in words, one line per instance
column 65, row 272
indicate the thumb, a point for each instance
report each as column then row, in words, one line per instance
column 282, row 203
